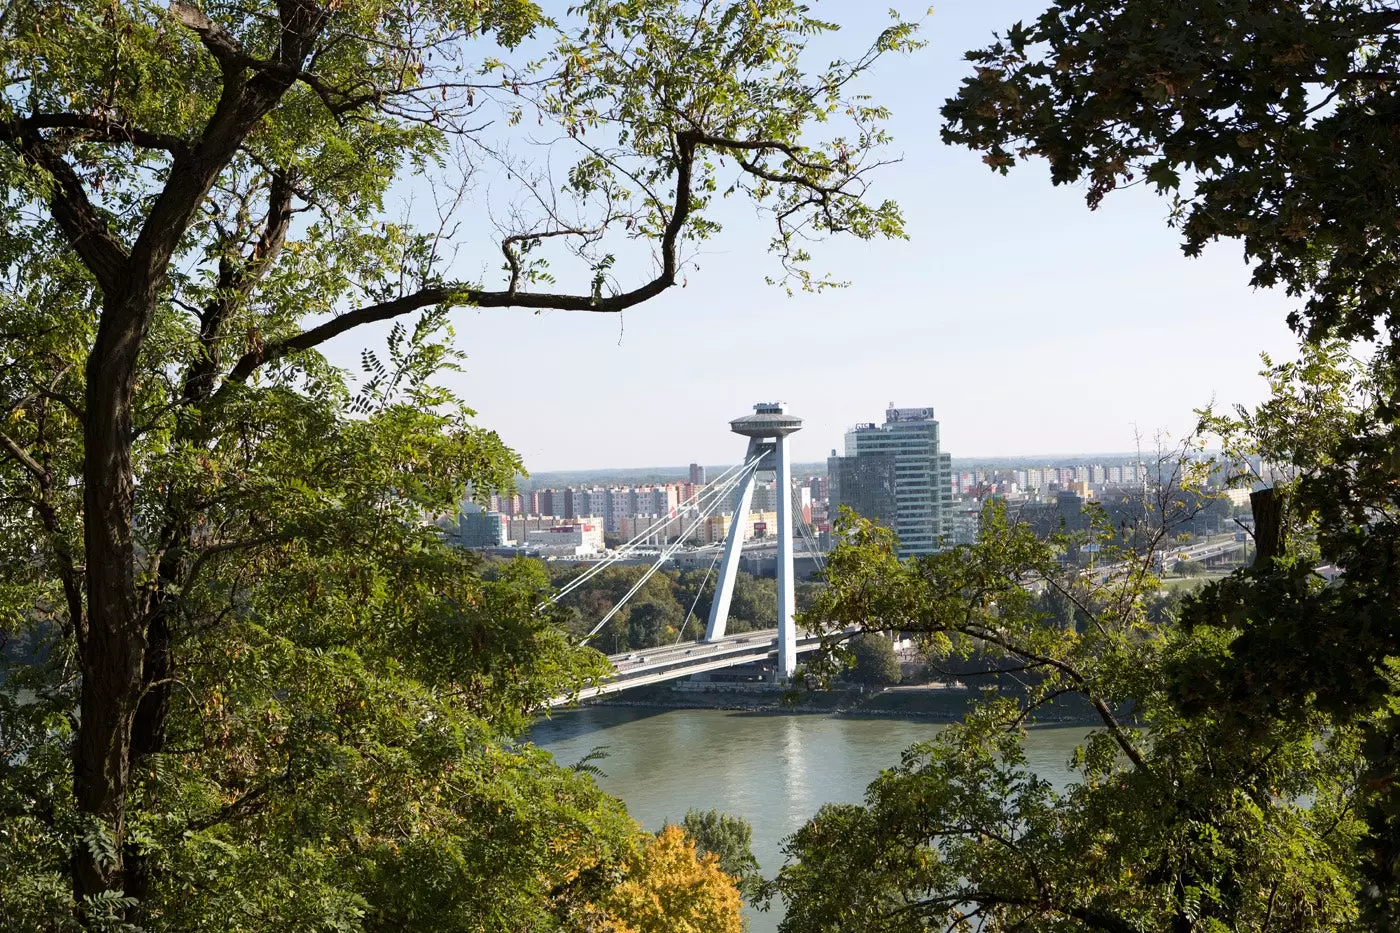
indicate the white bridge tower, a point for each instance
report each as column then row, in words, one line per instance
column 767, row 430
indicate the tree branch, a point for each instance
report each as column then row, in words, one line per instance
column 242, row 105
column 227, row 546
column 99, row 249
column 21, row 456
column 1115, row 728
column 236, row 282
column 106, row 130
column 1089, row 916
column 468, row 296
column 223, row 46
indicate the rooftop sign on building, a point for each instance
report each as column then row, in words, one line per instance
column 893, row 415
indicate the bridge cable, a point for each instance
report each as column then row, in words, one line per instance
column 694, row 501
column 673, row 547
column 806, row 531
column 698, row 593
column 626, row 549
column 619, row 553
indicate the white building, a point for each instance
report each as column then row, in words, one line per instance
column 577, row 539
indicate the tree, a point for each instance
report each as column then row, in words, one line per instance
column 654, row 623
column 873, row 660
column 1280, row 118
column 1277, row 119
column 669, row 888
column 222, row 539
column 754, row 604
column 1180, row 820
column 729, row 839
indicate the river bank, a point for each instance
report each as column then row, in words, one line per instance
column 934, row 703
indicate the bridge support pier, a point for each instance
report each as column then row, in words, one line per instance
column 787, row 587
column 767, row 430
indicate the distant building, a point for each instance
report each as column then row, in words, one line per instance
column 659, row 529
column 578, row 539
column 522, row 525
column 585, row 503
column 963, row 522
column 765, row 497
column 479, row 527
column 697, row 475
column 548, row 502
column 865, row 485
column 896, row 474
column 1070, row 505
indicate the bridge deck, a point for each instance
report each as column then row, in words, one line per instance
column 655, row 665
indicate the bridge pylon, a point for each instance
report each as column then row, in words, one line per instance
column 767, row 429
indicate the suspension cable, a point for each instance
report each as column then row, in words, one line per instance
column 671, row 549
column 624, row 550
column 807, row 535
column 718, row 488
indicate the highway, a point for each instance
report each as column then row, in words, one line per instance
column 1165, row 558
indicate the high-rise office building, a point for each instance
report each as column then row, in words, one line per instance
column 697, row 474
column 896, row 474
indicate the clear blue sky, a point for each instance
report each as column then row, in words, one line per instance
column 1029, row 323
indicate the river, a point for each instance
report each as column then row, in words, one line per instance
column 773, row 770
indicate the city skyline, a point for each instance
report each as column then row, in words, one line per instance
column 1041, row 458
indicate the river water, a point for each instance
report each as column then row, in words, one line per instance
column 773, row 770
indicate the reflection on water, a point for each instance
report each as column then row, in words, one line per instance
column 773, row 770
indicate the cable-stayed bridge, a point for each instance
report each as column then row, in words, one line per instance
column 767, row 429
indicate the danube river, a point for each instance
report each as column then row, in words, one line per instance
column 773, row 770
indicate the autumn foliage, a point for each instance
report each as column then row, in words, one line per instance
column 669, row 888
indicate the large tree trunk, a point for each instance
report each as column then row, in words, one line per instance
column 111, row 644
column 148, row 731
column 1268, row 507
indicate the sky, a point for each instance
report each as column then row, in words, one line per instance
column 1029, row 323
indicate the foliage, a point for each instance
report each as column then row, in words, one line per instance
column 1269, row 124
column 1273, row 123
column 261, row 686
column 1297, row 649
column 873, row 660
column 332, row 754
column 669, row 888
column 729, row 839
column 1179, row 820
